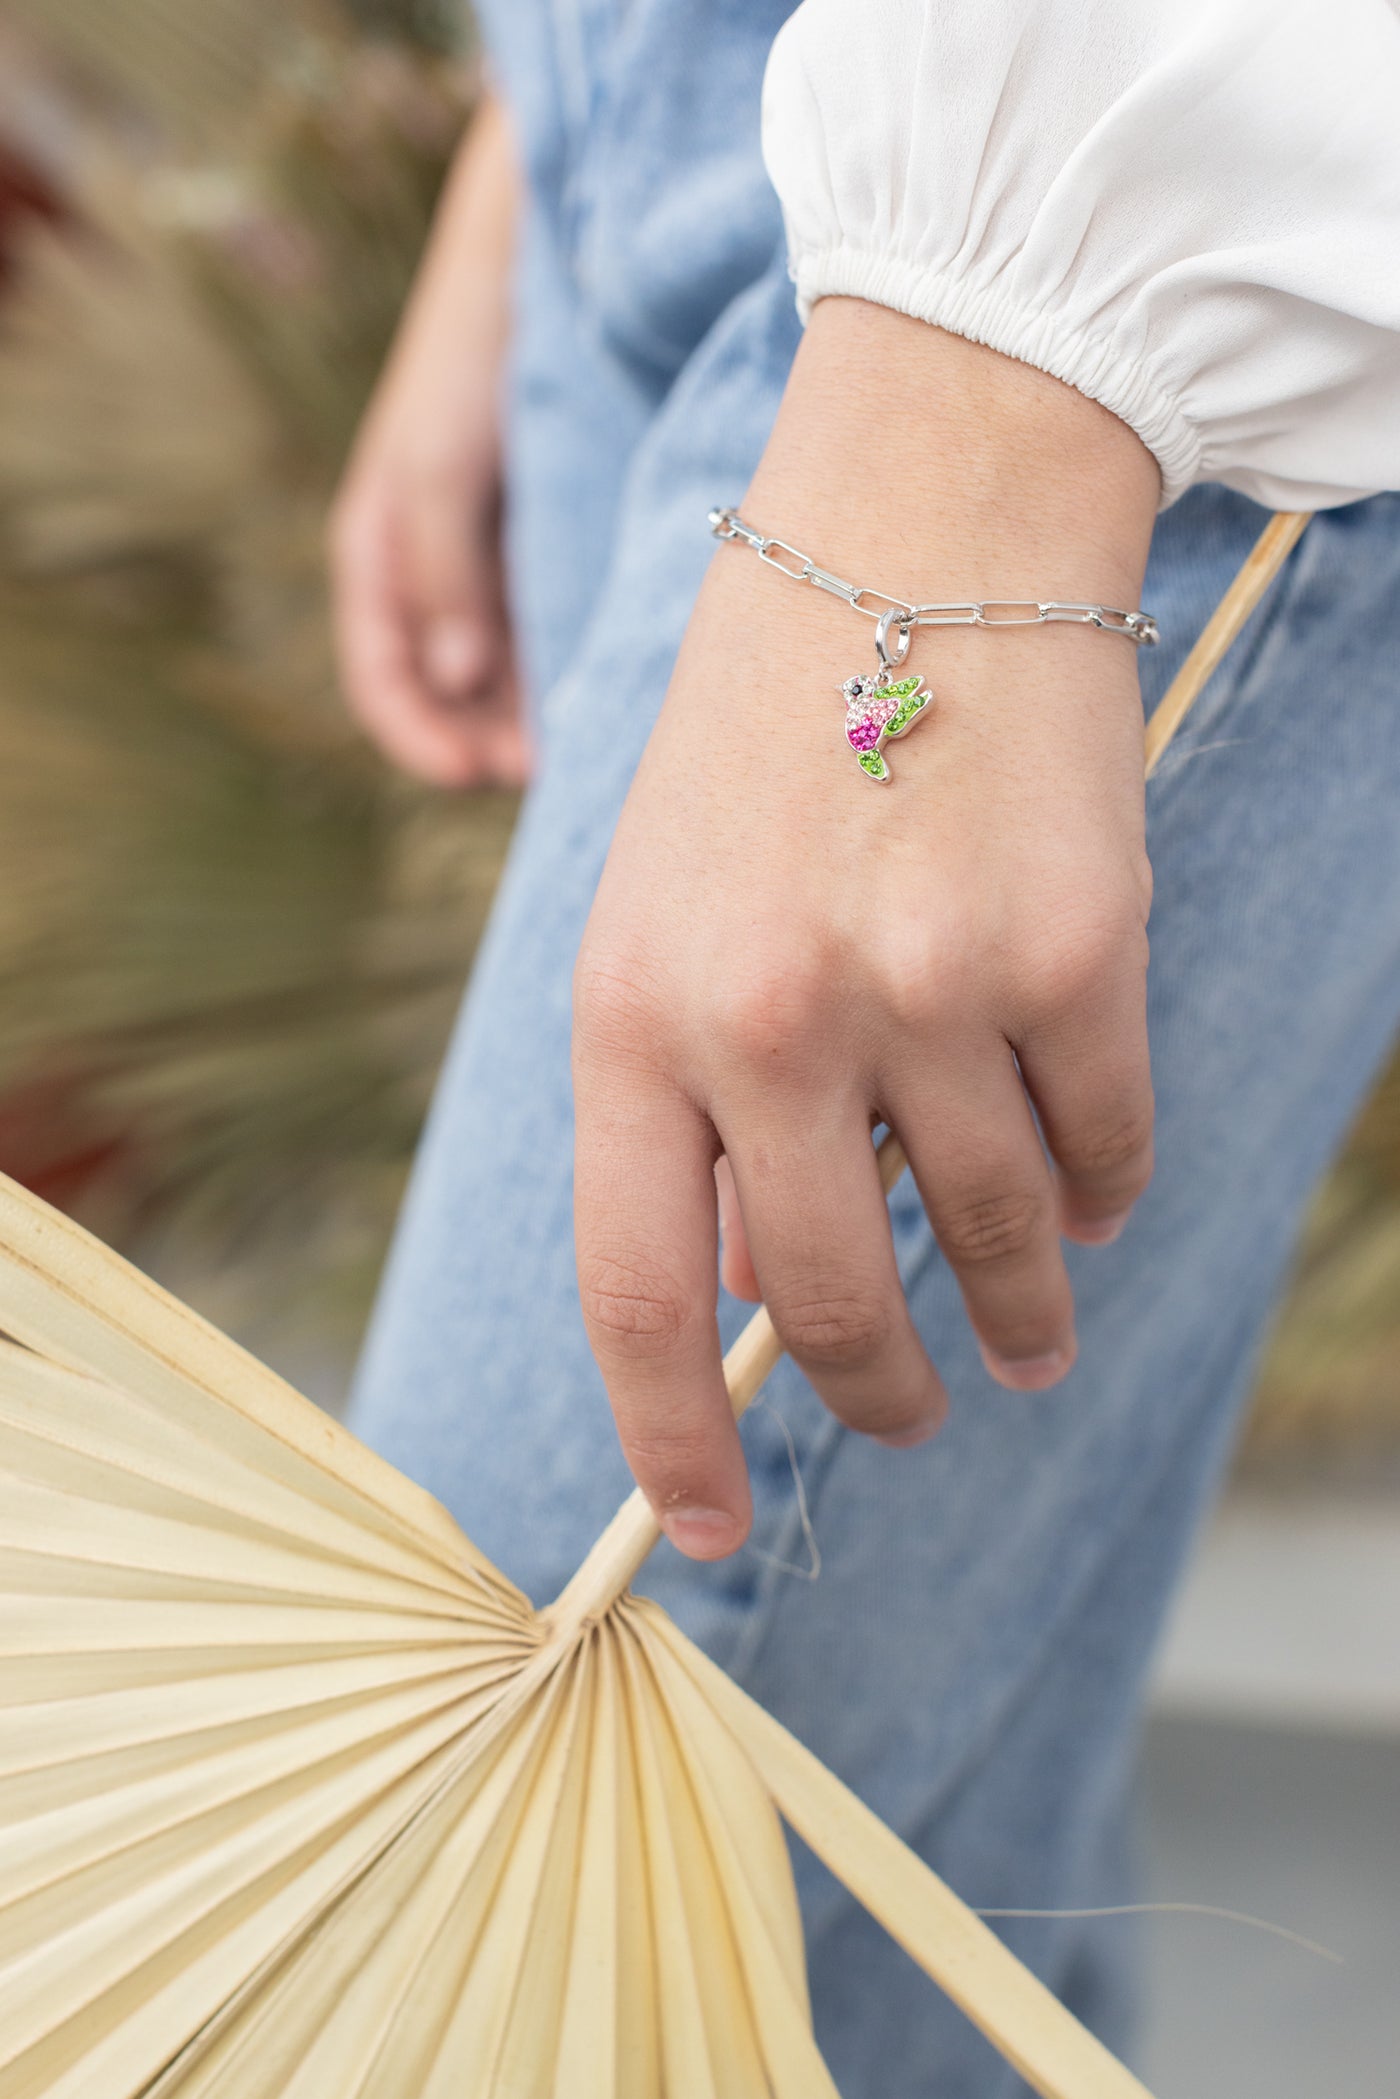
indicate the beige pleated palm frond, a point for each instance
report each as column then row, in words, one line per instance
column 299, row 1797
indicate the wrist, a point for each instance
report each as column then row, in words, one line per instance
column 946, row 469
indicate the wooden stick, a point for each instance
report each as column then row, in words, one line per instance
column 1262, row 563
column 625, row 1544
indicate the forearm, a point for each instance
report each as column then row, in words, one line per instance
column 418, row 582
column 454, row 330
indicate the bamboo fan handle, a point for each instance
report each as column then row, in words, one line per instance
column 1257, row 571
column 630, row 1537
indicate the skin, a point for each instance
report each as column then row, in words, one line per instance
column 418, row 584
column 782, row 954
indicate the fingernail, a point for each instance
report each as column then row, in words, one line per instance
column 451, row 657
column 908, row 1438
column 1104, row 1232
column 1028, row 1373
column 702, row 1533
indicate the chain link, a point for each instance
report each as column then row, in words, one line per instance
column 1138, row 627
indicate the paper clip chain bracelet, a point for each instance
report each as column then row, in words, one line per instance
column 879, row 707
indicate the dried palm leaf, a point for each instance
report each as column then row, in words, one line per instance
column 298, row 1794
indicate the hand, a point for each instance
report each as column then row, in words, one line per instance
column 783, row 953
column 418, row 584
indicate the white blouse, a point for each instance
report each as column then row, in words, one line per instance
column 1187, row 209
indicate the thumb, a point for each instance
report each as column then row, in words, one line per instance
column 452, row 562
column 455, row 651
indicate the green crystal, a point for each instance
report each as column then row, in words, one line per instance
column 871, row 762
column 902, row 716
column 904, row 687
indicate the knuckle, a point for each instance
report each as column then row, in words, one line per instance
column 918, row 978
column 839, row 1330
column 1112, row 1145
column 617, row 1008
column 927, row 967
column 1076, row 964
column 770, row 1019
column 993, row 1227
column 632, row 1307
column 1081, row 953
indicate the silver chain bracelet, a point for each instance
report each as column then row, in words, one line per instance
column 879, row 707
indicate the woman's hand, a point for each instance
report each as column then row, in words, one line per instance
column 417, row 578
column 783, row 953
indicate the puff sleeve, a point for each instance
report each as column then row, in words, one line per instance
column 1188, row 211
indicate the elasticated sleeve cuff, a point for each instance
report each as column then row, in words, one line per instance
column 1190, row 214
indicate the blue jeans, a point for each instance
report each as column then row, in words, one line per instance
column 972, row 1655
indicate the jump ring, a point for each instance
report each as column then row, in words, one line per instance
column 883, row 625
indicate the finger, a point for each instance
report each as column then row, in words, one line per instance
column 644, row 1209
column 463, row 638
column 1092, row 1088
column 822, row 1251
column 448, row 571
column 373, row 630
column 455, row 653
column 455, row 575
column 985, row 1184
column 385, row 694
column 736, row 1270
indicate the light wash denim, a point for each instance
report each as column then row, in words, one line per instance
column 972, row 1656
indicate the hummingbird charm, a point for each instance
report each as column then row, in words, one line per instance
column 877, row 710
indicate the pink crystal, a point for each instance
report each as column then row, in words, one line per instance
column 864, row 734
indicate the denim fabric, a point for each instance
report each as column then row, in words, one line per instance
column 971, row 1657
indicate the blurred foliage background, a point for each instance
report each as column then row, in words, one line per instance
column 230, row 942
